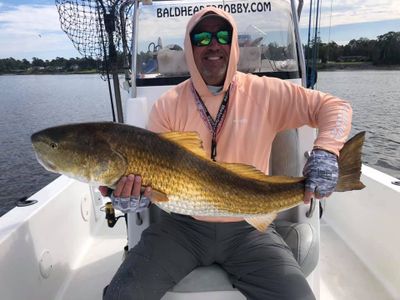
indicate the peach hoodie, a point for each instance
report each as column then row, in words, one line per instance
column 258, row 108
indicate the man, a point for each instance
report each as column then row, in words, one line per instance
column 211, row 102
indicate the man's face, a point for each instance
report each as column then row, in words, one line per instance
column 212, row 60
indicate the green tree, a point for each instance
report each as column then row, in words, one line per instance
column 388, row 48
column 25, row 64
column 37, row 62
column 333, row 51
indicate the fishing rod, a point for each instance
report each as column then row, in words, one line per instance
column 313, row 44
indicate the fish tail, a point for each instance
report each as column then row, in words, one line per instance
column 350, row 164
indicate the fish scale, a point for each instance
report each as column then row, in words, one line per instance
column 183, row 179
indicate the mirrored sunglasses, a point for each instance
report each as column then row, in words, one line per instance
column 201, row 39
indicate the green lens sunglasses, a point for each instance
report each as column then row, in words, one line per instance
column 201, row 39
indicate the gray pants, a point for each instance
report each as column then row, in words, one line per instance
column 260, row 265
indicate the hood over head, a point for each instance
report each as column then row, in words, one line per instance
column 197, row 79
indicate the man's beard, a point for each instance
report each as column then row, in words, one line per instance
column 220, row 74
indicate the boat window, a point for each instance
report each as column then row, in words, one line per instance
column 265, row 28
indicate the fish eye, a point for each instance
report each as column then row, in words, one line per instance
column 54, row 146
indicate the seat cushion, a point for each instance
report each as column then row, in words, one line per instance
column 303, row 241
column 202, row 279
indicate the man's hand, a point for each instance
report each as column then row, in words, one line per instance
column 321, row 172
column 127, row 196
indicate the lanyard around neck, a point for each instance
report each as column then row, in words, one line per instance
column 214, row 126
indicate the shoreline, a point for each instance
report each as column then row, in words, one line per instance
column 52, row 73
column 355, row 66
column 321, row 67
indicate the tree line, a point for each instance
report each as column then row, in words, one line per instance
column 57, row 65
column 385, row 50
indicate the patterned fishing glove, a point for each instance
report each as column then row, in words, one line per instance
column 130, row 204
column 321, row 172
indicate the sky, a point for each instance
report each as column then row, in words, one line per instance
column 32, row 28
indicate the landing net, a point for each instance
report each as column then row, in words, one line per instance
column 98, row 29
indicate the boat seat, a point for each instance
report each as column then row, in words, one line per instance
column 300, row 237
column 214, row 280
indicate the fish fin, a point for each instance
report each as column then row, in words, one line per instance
column 244, row 170
column 350, row 164
column 251, row 172
column 157, row 196
column 261, row 223
column 189, row 140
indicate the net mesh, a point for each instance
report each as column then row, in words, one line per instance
column 96, row 28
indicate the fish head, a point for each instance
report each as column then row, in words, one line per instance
column 79, row 151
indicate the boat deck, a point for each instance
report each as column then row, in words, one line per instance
column 95, row 269
column 343, row 275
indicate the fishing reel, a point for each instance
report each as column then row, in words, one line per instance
column 110, row 215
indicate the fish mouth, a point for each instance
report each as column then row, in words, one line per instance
column 48, row 165
column 40, row 145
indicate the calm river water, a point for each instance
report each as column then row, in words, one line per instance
column 31, row 103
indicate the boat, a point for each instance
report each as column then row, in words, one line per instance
column 66, row 241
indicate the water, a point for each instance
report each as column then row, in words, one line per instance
column 31, row 103
column 375, row 98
